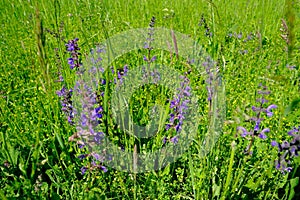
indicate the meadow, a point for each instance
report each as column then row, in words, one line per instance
column 245, row 91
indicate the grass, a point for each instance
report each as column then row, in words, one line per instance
column 38, row 161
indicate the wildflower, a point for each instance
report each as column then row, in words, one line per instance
column 239, row 36
column 82, row 156
column 203, row 23
column 150, row 35
column 287, row 150
column 72, row 47
column 148, row 42
column 209, row 65
column 83, row 170
column 66, row 103
column 256, row 131
column 179, row 106
column 90, row 115
column 174, row 140
column 249, row 37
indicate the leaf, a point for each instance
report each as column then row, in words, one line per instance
column 293, row 106
column 293, row 182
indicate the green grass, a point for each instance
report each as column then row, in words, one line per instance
column 38, row 162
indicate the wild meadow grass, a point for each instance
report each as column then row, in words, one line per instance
column 254, row 44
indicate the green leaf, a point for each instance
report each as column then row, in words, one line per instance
column 293, row 182
column 293, row 106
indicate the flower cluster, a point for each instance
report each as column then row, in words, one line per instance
column 66, row 103
column 120, row 74
column 203, row 23
column 209, row 65
column 91, row 117
column 59, row 66
column 91, row 114
column 153, row 76
column 179, row 105
column 257, row 131
column 72, row 47
column 236, row 35
column 150, row 39
column 249, row 37
column 150, row 34
column 94, row 164
column 146, row 73
column 287, row 150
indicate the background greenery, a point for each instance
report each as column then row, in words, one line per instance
column 38, row 161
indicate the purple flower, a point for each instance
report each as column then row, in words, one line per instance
column 165, row 140
column 104, row 169
column 291, row 67
column 262, row 133
column 150, row 39
column 150, row 34
column 61, row 92
column 262, row 100
column 174, row 140
column 274, row 143
column 268, row 110
column 293, row 131
column 82, row 156
column 96, row 156
column 168, row 126
column 153, row 59
column 244, row 131
column 256, row 127
column 83, row 120
column 99, row 137
column 83, row 170
column 145, row 58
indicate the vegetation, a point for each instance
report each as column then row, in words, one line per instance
column 249, row 75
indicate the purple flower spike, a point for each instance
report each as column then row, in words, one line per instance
column 179, row 107
column 259, row 110
column 73, row 48
column 66, row 103
column 287, row 151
